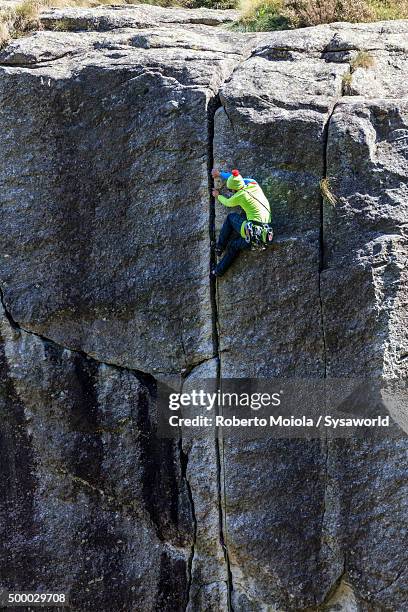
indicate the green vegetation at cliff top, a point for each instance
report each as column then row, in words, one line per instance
column 256, row 15
column 264, row 15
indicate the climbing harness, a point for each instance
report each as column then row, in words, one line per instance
column 258, row 235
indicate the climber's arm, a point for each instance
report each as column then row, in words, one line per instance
column 230, row 202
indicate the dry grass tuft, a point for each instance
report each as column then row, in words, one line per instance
column 17, row 20
column 364, row 60
column 27, row 16
column 347, row 81
column 326, row 191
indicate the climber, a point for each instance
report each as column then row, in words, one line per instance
column 236, row 232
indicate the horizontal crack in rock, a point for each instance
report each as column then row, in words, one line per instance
column 15, row 325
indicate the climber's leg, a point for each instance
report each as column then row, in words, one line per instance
column 232, row 223
column 233, row 250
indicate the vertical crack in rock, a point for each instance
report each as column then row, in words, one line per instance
column 322, row 255
column 184, row 463
column 222, row 511
column 214, row 104
column 322, row 267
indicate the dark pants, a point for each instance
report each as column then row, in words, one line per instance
column 230, row 237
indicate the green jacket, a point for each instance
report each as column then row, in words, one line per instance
column 253, row 201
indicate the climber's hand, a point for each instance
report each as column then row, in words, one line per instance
column 215, row 193
column 215, row 173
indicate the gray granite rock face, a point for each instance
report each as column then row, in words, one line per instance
column 110, row 120
column 366, row 264
column 114, row 191
column 327, row 300
column 91, row 497
column 134, row 16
